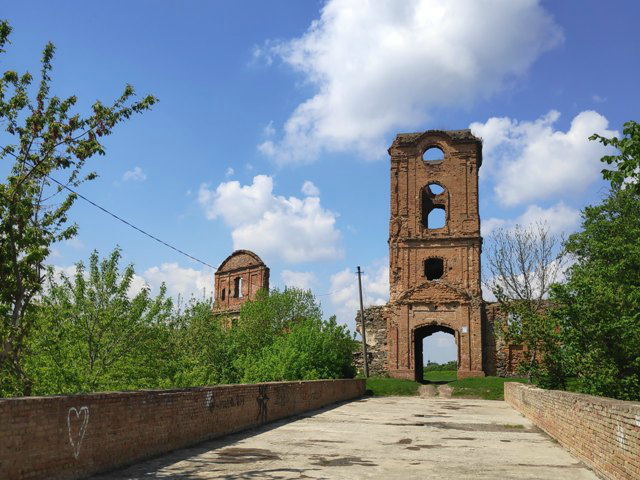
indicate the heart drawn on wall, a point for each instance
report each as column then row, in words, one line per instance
column 77, row 420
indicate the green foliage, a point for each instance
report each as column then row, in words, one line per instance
column 91, row 335
column 44, row 140
column 598, row 308
column 440, row 376
column 486, row 388
column 627, row 162
column 311, row 350
column 523, row 264
column 383, row 386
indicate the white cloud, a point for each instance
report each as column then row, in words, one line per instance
column 185, row 282
column 558, row 218
column 229, row 173
column 269, row 130
column 344, row 290
column 308, row 188
column 75, row 243
column 378, row 66
column 304, row 280
column 135, row 175
column 296, row 230
column 532, row 161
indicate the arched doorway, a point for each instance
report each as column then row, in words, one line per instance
column 419, row 334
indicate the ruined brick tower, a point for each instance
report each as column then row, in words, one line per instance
column 238, row 279
column 434, row 249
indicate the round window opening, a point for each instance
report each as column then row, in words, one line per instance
column 433, row 268
column 433, row 155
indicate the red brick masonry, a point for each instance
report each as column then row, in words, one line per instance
column 603, row 432
column 73, row 436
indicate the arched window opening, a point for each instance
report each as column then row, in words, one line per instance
column 433, row 155
column 436, row 218
column 433, row 268
column 223, row 294
column 237, row 287
column 435, row 188
column 433, row 209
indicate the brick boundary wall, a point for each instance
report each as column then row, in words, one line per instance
column 74, row 436
column 603, row 432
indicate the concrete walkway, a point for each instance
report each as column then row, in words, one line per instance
column 389, row 437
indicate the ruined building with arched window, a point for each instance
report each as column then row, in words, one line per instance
column 238, row 279
column 434, row 258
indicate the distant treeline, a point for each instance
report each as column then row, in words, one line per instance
column 439, row 367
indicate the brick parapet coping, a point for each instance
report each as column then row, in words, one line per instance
column 603, row 432
column 74, row 436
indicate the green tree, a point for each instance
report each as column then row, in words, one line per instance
column 281, row 336
column 311, row 350
column 45, row 140
column 93, row 333
column 205, row 351
column 627, row 161
column 598, row 307
column 271, row 314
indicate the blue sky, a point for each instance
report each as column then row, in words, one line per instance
column 274, row 119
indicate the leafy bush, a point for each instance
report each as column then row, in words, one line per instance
column 311, row 350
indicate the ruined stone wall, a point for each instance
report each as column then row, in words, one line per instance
column 75, row 436
column 500, row 358
column 603, row 432
column 376, row 330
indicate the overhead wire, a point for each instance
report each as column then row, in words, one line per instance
column 117, row 217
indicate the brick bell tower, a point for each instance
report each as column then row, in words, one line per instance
column 434, row 249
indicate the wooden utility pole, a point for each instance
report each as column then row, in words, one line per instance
column 364, row 333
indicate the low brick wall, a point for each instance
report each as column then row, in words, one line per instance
column 73, row 436
column 603, row 432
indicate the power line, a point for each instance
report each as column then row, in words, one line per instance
column 182, row 252
column 153, row 237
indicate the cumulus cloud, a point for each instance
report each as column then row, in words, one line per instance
column 344, row 290
column 186, row 282
column 530, row 160
column 296, row 230
column 229, row 173
column 559, row 218
column 304, row 280
column 135, row 175
column 75, row 243
column 308, row 188
column 380, row 66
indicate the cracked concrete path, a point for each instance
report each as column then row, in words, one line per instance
column 385, row 437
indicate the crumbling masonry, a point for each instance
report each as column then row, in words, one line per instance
column 434, row 261
column 238, row 279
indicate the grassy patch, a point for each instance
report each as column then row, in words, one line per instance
column 391, row 386
column 487, row 388
column 441, row 376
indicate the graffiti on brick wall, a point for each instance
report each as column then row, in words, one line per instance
column 77, row 421
column 280, row 396
column 216, row 403
column 262, row 400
